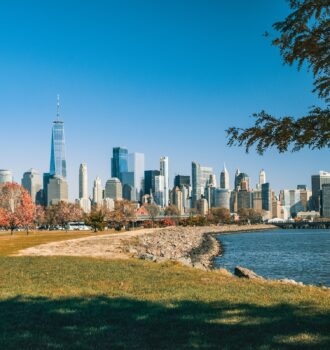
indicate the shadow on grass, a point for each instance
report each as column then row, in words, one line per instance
column 118, row 323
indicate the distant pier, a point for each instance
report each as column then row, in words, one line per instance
column 303, row 225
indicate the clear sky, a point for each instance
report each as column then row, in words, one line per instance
column 159, row 77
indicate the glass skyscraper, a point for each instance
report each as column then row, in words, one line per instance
column 57, row 155
column 119, row 162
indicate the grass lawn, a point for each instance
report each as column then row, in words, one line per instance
column 82, row 303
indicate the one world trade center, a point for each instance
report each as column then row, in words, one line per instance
column 57, row 155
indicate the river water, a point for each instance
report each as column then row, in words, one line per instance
column 302, row 255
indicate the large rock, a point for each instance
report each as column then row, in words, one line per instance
column 243, row 272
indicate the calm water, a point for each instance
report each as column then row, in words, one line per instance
column 302, row 255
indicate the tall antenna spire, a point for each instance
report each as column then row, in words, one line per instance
column 58, row 108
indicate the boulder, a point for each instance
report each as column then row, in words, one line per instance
column 243, row 272
column 288, row 281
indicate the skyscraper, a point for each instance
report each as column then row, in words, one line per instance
column 119, row 162
column 325, row 201
column 149, row 181
column 160, row 191
column 242, row 181
column 57, row 155
column 221, row 198
column 83, row 181
column 196, row 193
column 97, row 192
column 5, row 176
column 113, row 189
column 57, row 190
column 237, row 179
column 317, row 182
column 31, row 181
column 84, row 201
column 136, row 165
column 262, row 177
column 181, row 180
column 164, row 172
column 224, row 178
column 266, row 196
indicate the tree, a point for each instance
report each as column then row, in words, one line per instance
column 153, row 211
column 40, row 216
column 248, row 215
column 96, row 220
column 62, row 213
column 220, row 215
column 17, row 208
column 172, row 210
column 304, row 38
column 124, row 213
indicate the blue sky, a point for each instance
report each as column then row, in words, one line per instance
column 159, row 77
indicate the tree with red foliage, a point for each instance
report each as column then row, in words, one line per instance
column 62, row 213
column 17, row 208
column 40, row 216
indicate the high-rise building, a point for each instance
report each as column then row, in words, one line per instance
column 181, row 180
column 57, row 190
column 84, row 200
column 113, row 189
column 31, row 181
column 178, row 199
column 83, row 181
column 266, row 195
column 257, row 200
column 237, row 179
column 128, row 192
column 45, row 181
column 57, row 154
column 291, row 201
column 97, row 192
column 119, row 162
column 164, row 172
column 325, row 200
column 149, row 181
column 212, row 180
column 221, row 198
column 305, row 196
column 160, row 191
column 202, row 206
column 242, row 181
column 5, row 176
column 136, row 165
column 206, row 175
column 262, row 177
column 196, row 192
column 186, row 200
column 224, row 178
column 317, row 182
column 244, row 199
column 127, row 178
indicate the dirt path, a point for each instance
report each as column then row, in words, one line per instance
column 111, row 246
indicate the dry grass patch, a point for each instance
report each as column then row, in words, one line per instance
column 11, row 244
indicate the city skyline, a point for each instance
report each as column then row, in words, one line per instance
column 154, row 88
column 254, row 181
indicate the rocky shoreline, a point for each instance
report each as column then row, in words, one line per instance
column 192, row 246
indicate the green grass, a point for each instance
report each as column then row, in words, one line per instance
column 81, row 303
